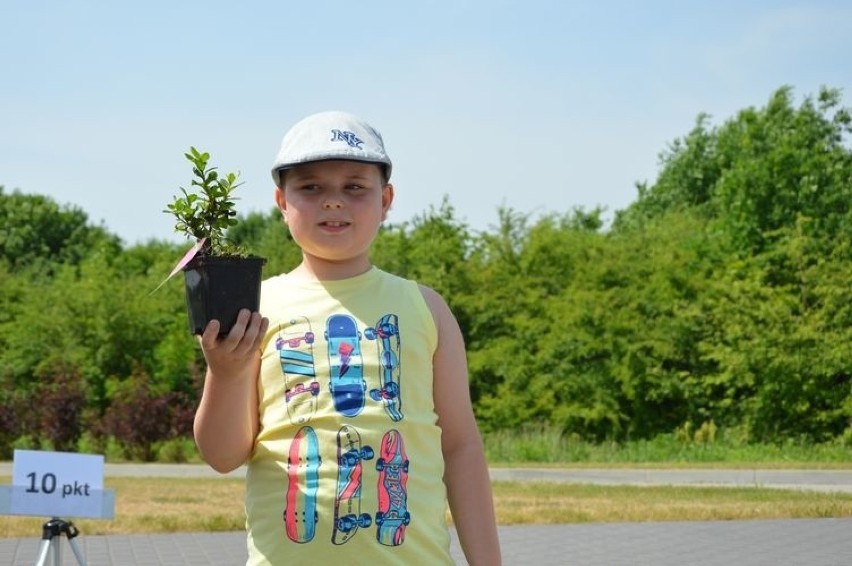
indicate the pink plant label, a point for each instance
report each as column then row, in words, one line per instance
column 187, row 257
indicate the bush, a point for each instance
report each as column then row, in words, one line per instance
column 177, row 451
column 139, row 418
column 63, row 401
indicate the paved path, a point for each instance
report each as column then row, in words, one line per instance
column 812, row 542
column 814, row 480
column 817, row 542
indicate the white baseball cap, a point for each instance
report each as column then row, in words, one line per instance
column 330, row 135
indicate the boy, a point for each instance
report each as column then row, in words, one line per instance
column 348, row 397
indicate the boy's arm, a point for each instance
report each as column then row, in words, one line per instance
column 466, row 472
column 226, row 422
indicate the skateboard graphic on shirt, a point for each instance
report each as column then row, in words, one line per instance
column 300, row 509
column 347, row 504
column 392, row 516
column 296, row 353
column 386, row 332
column 347, row 383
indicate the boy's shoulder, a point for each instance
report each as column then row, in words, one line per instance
column 429, row 295
column 392, row 276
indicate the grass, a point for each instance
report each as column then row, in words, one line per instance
column 542, row 503
column 704, row 447
column 156, row 505
column 166, row 505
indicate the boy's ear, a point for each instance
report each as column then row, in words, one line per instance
column 387, row 200
column 281, row 200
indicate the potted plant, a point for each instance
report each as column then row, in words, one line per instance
column 220, row 277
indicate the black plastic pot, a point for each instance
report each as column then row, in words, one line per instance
column 217, row 288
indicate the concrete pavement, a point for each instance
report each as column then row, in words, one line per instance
column 811, row 542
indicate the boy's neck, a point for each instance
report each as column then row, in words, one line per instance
column 311, row 268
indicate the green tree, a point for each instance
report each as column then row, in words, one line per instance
column 783, row 348
column 34, row 229
column 528, row 358
column 774, row 185
column 431, row 249
column 759, row 171
column 267, row 236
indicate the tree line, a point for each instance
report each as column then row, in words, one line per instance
column 720, row 295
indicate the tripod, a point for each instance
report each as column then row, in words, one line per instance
column 50, row 534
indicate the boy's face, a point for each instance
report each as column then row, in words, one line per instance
column 334, row 209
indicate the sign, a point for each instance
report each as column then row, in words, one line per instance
column 57, row 484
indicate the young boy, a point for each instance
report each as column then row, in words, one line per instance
column 349, row 396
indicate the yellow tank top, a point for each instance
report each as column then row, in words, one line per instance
column 347, row 467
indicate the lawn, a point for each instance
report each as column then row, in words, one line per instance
column 165, row 505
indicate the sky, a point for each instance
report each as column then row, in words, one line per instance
column 538, row 106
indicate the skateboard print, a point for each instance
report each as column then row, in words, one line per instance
column 386, row 332
column 347, row 383
column 347, row 505
column 296, row 352
column 392, row 516
column 300, row 510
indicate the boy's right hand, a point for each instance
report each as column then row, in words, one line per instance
column 229, row 356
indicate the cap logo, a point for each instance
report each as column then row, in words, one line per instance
column 349, row 137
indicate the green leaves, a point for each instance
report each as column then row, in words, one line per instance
column 759, row 171
column 36, row 231
column 721, row 295
column 207, row 212
column 774, row 185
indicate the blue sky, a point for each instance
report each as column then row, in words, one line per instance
column 539, row 106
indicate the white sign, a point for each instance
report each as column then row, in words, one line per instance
column 57, row 484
